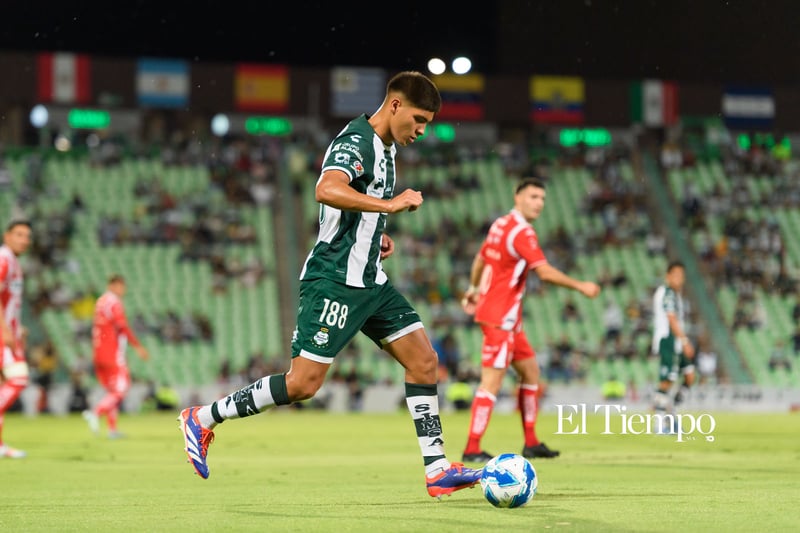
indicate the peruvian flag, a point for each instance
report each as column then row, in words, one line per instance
column 63, row 78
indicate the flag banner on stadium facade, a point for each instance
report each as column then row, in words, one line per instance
column 261, row 87
column 356, row 90
column 462, row 96
column 748, row 107
column 654, row 103
column 162, row 82
column 557, row 99
column 63, row 78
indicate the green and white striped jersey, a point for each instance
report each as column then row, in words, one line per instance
column 666, row 300
column 348, row 245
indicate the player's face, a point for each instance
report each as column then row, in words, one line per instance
column 119, row 288
column 408, row 122
column 530, row 202
column 18, row 239
column 676, row 278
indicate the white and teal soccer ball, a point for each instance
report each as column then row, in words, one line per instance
column 509, row 480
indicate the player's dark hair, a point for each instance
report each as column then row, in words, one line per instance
column 418, row 88
column 116, row 278
column 529, row 182
column 675, row 264
column 18, row 222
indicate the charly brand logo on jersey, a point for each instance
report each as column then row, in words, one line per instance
column 321, row 337
column 358, row 167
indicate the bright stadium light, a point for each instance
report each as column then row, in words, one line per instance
column 436, row 66
column 39, row 116
column 220, row 124
column 62, row 143
column 461, row 65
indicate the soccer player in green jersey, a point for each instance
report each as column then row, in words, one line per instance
column 670, row 342
column 344, row 290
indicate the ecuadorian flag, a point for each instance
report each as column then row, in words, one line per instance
column 557, row 99
column 462, row 96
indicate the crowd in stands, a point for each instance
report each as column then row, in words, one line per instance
column 750, row 252
column 172, row 327
column 740, row 242
column 747, row 253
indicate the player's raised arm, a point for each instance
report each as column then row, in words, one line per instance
column 333, row 189
column 551, row 274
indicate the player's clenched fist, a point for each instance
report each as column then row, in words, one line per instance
column 408, row 199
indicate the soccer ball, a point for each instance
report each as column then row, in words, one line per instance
column 509, row 480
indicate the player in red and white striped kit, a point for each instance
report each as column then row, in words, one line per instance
column 497, row 286
column 14, row 375
column 110, row 337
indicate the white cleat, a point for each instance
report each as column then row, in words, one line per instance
column 11, row 453
column 92, row 421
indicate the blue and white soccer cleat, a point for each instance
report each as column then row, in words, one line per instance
column 197, row 439
column 455, row 478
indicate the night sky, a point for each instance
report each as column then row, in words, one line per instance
column 693, row 40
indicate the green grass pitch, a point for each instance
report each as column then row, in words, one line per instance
column 307, row 471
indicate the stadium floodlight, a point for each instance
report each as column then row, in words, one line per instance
column 461, row 65
column 62, row 143
column 220, row 125
column 436, row 66
column 39, row 116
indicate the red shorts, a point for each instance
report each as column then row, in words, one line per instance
column 9, row 356
column 114, row 378
column 501, row 347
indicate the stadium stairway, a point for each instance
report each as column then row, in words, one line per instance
column 666, row 204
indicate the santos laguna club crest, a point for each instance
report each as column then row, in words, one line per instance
column 321, row 337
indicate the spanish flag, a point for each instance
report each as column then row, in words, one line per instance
column 261, row 87
column 462, row 96
column 557, row 99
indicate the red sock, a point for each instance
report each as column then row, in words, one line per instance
column 109, row 406
column 9, row 392
column 482, row 407
column 528, row 403
column 112, row 419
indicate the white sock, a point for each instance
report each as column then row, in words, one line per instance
column 248, row 401
column 423, row 404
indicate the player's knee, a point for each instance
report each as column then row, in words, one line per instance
column 528, row 371
column 426, row 364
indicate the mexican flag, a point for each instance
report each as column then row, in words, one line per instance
column 654, row 103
